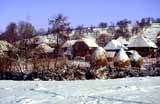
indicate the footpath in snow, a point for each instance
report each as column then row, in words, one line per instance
column 144, row 90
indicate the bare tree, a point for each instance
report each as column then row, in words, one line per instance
column 41, row 31
column 59, row 25
column 10, row 33
column 26, row 30
column 123, row 29
column 103, row 24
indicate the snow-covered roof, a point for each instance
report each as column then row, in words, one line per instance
column 43, row 48
column 141, row 41
column 121, row 56
column 114, row 45
column 48, row 39
column 89, row 42
column 69, row 43
column 123, row 40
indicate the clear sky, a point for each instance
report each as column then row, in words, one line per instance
column 87, row 12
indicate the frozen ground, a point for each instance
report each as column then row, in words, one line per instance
column 119, row 91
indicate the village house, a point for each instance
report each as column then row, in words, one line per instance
column 84, row 47
column 67, row 48
column 144, row 46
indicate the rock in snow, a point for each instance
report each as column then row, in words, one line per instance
column 138, row 90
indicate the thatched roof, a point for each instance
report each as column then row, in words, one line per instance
column 89, row 42
column 69, row 43
column 121, row 56
column 141, row 41
column 114, row 45
column 43, row 48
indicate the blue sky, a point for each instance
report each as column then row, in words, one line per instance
column 87, row 12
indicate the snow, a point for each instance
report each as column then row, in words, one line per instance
column 135, row 56
column 152, row 31
column 48, row 39
column 44, row 48
column 114, row 45
column 138, row 90
column 121, row 56
column 69, row 43
column 123, row 41
column 99, row 53
column 141, row 41
column 90, row 42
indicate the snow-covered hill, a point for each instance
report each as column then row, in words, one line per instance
column 119, row 91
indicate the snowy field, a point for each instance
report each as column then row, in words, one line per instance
column 118, row 91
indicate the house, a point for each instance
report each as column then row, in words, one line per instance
column 144, row 46
column 84, row 47
column 114, row 45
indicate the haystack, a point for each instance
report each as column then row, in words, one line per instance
column 136, row 59
column 99, row 57
column 121, row 59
